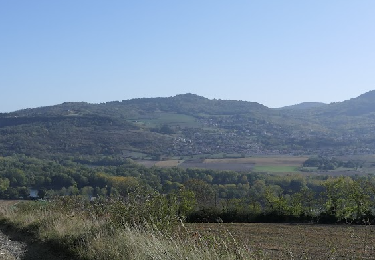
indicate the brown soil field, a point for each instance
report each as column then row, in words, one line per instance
column 263, row 161
column 146, row 163
column 296, row 241
column 168, row 163
column 200, row 164
column 230, row 164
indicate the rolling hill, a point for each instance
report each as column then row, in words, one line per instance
column 189, row 125
column 305, row 105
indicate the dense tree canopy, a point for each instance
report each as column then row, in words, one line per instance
column 230, row 195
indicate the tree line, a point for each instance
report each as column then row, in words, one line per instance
column 203, row 195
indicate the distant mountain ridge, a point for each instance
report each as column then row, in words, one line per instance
column 183, row 103
column 189, row 125
column 305, row 105
column 363, row 104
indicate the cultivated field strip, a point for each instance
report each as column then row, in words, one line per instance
column 298, row 241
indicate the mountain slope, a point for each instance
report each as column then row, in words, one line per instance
column 361, row 105
column 188, row 125
column 304, row 105
column 149, row 126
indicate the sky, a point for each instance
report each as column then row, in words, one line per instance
column 276, row 53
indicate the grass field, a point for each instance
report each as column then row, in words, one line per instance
column 291, row 241
column 270, row 164
column 273, row 164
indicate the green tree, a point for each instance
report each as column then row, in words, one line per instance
column 186, row 201
column 348, row 199
column 204, row 193
column 276, row 200
column 4, row 184
column 42, row 193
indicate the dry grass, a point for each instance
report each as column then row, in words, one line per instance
column 97, row 237
column 100, row 239
column 140, row 243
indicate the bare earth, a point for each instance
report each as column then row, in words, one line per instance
column 298, row 241
column 10, row 250
column 21, row 246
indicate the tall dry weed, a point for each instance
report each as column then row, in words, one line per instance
column 108, row 230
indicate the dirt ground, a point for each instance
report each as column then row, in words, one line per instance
column 9, row 249
column 298, row 241
column 20, row 245
column 16, row 245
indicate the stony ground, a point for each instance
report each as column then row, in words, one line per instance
column 20, row 246
column 11, row 250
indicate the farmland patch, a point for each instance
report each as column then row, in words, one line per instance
column 263, row 161
column 291, row 241
column 200, row 164
column 168, row 163
column 258, row 164
column 273, row 168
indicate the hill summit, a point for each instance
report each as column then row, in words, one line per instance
column 305, row 105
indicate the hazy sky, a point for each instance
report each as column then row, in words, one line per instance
column 273, row 52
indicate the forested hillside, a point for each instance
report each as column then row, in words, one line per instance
column 188, row 125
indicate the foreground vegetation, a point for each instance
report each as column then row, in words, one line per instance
column 110, row 208
column 148, row 227
column 144, row 228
